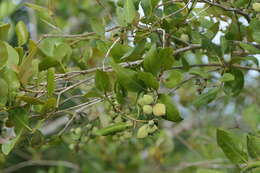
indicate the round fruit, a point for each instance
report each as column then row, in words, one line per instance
column 147, row 99
column 184, row 37
column 147, row 109
column 78, row 130
column 159, row 109
column 141, row 101
column 142, row 132
column 256, row 7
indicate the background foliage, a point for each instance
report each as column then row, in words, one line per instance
column 74, row 76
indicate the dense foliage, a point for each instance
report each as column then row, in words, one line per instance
column 129, row 86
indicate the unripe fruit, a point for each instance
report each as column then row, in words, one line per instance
column 78, row 130
column 147, row 99
column 256, row 7
column 142, row 132
column 147, row 109
column 152, row 129
column 141, row 101
column 151, row 123
column 159, row 109
column 184, row 37
column 118, row 119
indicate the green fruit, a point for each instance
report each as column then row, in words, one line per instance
column 159, row 109
column 143, row 131
column 72, row 146
column 147, row 109
column 256, row 7
column 184, row 37
column 78, row 130
column 118, row 119
column 147, row 99
column 151, row 123
column 152, row 129
column 141, row 101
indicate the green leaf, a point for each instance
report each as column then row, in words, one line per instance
column 11, row 78
column 47, row 63
column 7, row 147
column 166, row 58
column 250, row 166
column 230, row 147
column 20, row 118
column 247, row 58
column 250, row 48
column 206, row 98
column 129, row 11
column 4, row 31
column 208, row 171
column 13, row 57
column 147, row 7
column 3, row 88
column 3, row 54
column 227, row 77
column 25, row 69
column 22, row 33
column 112, row 129
column 251, row 116
column 234, row 87
column 50, row 81
column 61, row 50
column 185, row 64
column 47, row 46
column 172, row 113
column 127, row 78
column 253, row 146
column 38, row 8
column 240, row 3
column 97, row 27
column 49, row 105
column 151, row 61
column 200, row 73
column 94, row 92
column 31, row 100
column 121, row 16
column 149, row 80
column 136, row 52
column 102, row 81
column 173, row 79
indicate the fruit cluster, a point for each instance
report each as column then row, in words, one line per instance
column 149, row 107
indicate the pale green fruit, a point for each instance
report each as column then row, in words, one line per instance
column 141, row 101
column 78, row 130
column 72, row 146
column 159, row 109
column 147, row 109
column 143, row 131
column 256, row 7
column 147, row 99
column 118, row 119
column 184, row 37
column 151, row 123
column 153, row 129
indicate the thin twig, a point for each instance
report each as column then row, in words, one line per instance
column 238, row 11
column 41, row 163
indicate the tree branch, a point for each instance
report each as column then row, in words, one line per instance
column 41, row 163
column 238, row 11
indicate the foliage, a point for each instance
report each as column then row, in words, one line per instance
column 117, row 85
